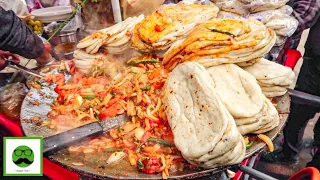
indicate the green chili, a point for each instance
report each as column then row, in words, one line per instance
column 112, row 150
column 140, row 164
column 38, row 82
column 160, row 141
column 134, row 63
column 88, row 96
column 146, row 88
column 248, row 146
column 223, row 32
column 94, row 70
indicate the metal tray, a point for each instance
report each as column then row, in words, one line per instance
column 94, row 165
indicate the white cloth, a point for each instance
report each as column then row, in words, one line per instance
column 18, row 6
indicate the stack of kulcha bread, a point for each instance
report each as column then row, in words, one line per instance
column 204, row 131
column 220, row 41
column 208, row 109
column 273, row 78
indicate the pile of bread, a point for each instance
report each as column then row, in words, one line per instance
column 209, row 109
column 217, row 89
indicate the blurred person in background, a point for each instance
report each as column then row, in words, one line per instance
column 17, row 38
column 307, row 12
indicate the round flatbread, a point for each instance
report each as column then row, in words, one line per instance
column 237, row 89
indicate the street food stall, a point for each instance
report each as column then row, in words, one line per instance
column 167, row 92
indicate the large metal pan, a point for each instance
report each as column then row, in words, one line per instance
column 94, row 164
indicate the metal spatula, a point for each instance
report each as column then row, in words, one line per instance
column 62, row 140
column 16, row 66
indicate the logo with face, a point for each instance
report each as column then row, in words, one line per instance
column 22, row 156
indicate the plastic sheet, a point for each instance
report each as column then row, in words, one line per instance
column 286, row 10
column 265, row 16
column 254, row 6
column 11, row 97
column 228, row 15
column 280, row 40
column 233, row 6
column 284, row 26
column 73, row 25
column 280, row 22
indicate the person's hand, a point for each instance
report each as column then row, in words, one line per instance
column 6, row 55
column 45, row 57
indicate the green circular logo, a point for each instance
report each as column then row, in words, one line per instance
column 22, row 156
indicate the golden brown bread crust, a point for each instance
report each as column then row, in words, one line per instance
column 220, row 41
column 163, row 27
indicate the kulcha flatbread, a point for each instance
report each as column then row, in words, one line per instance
column 162, row 28
column 237, row 89
column 266, row 120
column 83, row 60
column 222, row 41
column 114, row 39
column 273, row 78
column 204, row 131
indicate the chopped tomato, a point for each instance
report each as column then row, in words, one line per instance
column 158, row 28
column 114, row 100
column 168, row 136
column 112, row 111
column 154, row 123
column 61, row 92
column 73, row 70
column 145, row 137
column 151, row 165
column 76, row 78
column 91, row 81
column 158, row 72
column 128, row 33
column 158, row 85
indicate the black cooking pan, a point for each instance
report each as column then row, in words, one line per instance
column 94, row 164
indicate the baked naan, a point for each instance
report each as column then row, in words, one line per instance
column 204, row 131
column 238, row 90
column 266, row 120
column 273, row 78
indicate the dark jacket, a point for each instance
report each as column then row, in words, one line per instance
column 312, row 45
column 17, row 38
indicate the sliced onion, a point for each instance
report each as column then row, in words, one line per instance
column 116, row 156
column 138, row 133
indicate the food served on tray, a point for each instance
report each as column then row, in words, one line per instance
column 221, row 41
column 105, row 92
column 203, row 129
column 192, row 117
column 163, row 27
column 273, row 78
column 114, row 39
